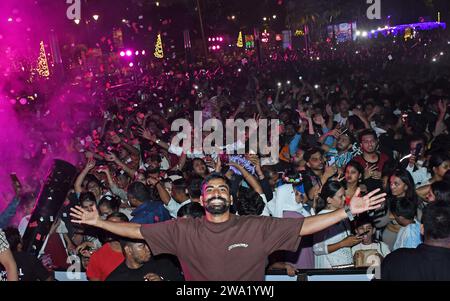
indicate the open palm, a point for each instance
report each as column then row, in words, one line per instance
column 370, row 201
column 82, row 216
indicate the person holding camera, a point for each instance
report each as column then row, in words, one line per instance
column 415, row 163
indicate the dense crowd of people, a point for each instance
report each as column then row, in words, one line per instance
column 355, row 119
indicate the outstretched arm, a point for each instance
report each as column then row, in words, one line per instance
column 358, row 205
column 81, row 216
column 90, row 164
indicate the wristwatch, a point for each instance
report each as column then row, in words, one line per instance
column 349, row 213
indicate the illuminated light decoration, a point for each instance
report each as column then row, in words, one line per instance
column 221, row 39
column 279, row 37
column 274, row 16
column 279, row 84
column 365, row 34
column 10, row 19
column 439, row 17
column 233, row 17
column 131, row 64
column 318, row 58
column 137, row 52
column 143, row 52
column 408, row 33
column 42, row 67
column 124, row 21
column 288, row 82
column 441, row 53
column 358, row 33
column 299, row 33
column 214, row 48
column 209, row 39
column 434, row 59
column 213, row 39
column 122, row 53
column 265, row 37
column 95, row 17
column 12, row 101
column 400, row 29
column 239, row 70
column 316, row 86
column 129, row 53
column 240, row 42
column 157, row 3
column 218, row 47
column 159, row 53
column 249, row 41
column 23, row 101
column 77, row 21
column 264, row 19
column 372, row 31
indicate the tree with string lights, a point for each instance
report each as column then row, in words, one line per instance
column 42, row 67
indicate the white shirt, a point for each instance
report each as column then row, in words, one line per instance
column 421, row 176
column 342, row 120
column 380, row 246
column 173, row 206
column 329, row 236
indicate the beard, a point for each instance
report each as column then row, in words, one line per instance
column 217, row 209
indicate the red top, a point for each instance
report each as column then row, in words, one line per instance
column 103, row 262
column 382, row 159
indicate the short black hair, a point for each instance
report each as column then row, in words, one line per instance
column 192, row 209
column 436, row 220
column 308, row 153
column 179, row 185
column 213, row 176
column 195, row 188
column 363, row 219
column 367, row 132
column 13, row 238
column 418, row 137
column 441, row 191
column 249, row 202
column 139, row 191
column 110, row 201
column 120, row 216
column 87, row 196
column 403, row 207
column 129, row 241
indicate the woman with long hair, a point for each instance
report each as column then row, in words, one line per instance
column 438, row 165
column 401, row 186
column 354, row 177
column 332, row 247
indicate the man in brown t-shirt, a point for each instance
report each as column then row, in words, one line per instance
column 223, row 246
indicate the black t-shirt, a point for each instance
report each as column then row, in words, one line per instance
column 425, row 263
column 29, row 268
column 159, row 265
